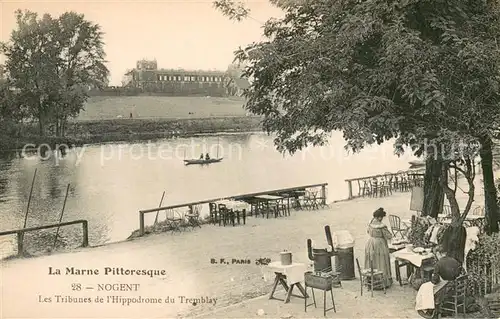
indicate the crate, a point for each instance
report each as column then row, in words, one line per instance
column 319, row 282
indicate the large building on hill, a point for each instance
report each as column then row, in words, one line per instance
column 149, row 79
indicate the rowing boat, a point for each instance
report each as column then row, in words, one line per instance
column 415, row 164
column 202, row 161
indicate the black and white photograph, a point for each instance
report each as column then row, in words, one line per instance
column 249, row 159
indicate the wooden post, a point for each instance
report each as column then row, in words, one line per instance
column 61, row 217
column 190, row 209
column 141, row 224
column 85, row 228
column 323, row 195
column 29, row 200
column 349, row 185
column 20, row 249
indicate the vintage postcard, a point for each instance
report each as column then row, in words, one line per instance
column 253, row 159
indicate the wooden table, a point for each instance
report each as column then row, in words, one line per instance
column 288, row 276
column 267, row 199
column 410, row 259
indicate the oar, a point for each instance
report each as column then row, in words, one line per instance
column 161, row 201
column 61, row 217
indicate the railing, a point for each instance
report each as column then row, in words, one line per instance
column 236, row 197
column 413, row 173
column 20, row 233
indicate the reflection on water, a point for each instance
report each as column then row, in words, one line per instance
column 110, row 183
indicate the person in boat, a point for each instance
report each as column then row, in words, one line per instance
column 201, row 156
column 377, row 248
column 207, row 157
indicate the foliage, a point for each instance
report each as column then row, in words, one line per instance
column 376, row 70
column 50, row 64
column 482, row 263
column 420, row 232
column 416, row 235
column 414, row 71
column 235, row 10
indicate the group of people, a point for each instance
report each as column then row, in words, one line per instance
column 207, row 157
column 377, row 253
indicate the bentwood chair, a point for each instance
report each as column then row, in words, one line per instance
column 173, row 220
column 373, row 278
column 397, row 227
column 458, row 296
column 193, row 217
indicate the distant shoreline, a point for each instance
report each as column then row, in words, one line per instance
column 129, row 130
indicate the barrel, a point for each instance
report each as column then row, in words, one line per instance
column 286, row 258
column 322, row 260
column 344, row 262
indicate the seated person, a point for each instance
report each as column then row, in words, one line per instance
column 201, row 156
column 207, row 157
column 446, row 268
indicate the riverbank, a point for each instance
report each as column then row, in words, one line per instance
column 79, row 133
column 186, row 258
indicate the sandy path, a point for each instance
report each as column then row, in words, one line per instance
column 186, row 258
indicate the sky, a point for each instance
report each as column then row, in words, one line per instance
column 179, row 34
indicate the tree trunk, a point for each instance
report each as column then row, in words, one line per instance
column 63, row 127
column 454, row 241
column 490, row 192
column 433, row 192
column 58, row 127
column 41, row 126
column 450, row 195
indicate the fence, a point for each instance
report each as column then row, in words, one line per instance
column 20, row 233
column 236, row 197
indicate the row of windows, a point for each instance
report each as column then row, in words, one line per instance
column 188, row 78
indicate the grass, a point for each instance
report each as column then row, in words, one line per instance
column 107, row 119
column 154, row 107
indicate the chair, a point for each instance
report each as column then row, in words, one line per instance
column 174, row 221
column 373, row 277
column 458, row 298
column 193, row 217
column 365, row 189
column 375, row 187
column 403, row 181
column 310, row 199
column 397, row 227
column 478, row 211
column 213, row 213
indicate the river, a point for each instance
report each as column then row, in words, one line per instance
column 110, row 183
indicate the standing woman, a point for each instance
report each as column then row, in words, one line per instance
column 377, row 248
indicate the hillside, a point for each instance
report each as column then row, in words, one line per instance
column 156, row 107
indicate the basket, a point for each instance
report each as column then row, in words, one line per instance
column 318, row 282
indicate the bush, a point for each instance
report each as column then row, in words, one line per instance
column 483, row 264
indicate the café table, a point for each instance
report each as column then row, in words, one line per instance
column 267, row 199
column 289, row 276
column 236, row 207
column 412, row 258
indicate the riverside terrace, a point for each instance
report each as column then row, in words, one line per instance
column 385, row 184
column 235, row 209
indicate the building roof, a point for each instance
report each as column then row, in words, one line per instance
column 193, row 72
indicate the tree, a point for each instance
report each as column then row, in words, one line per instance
column 376, row 70
column 52, row 62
